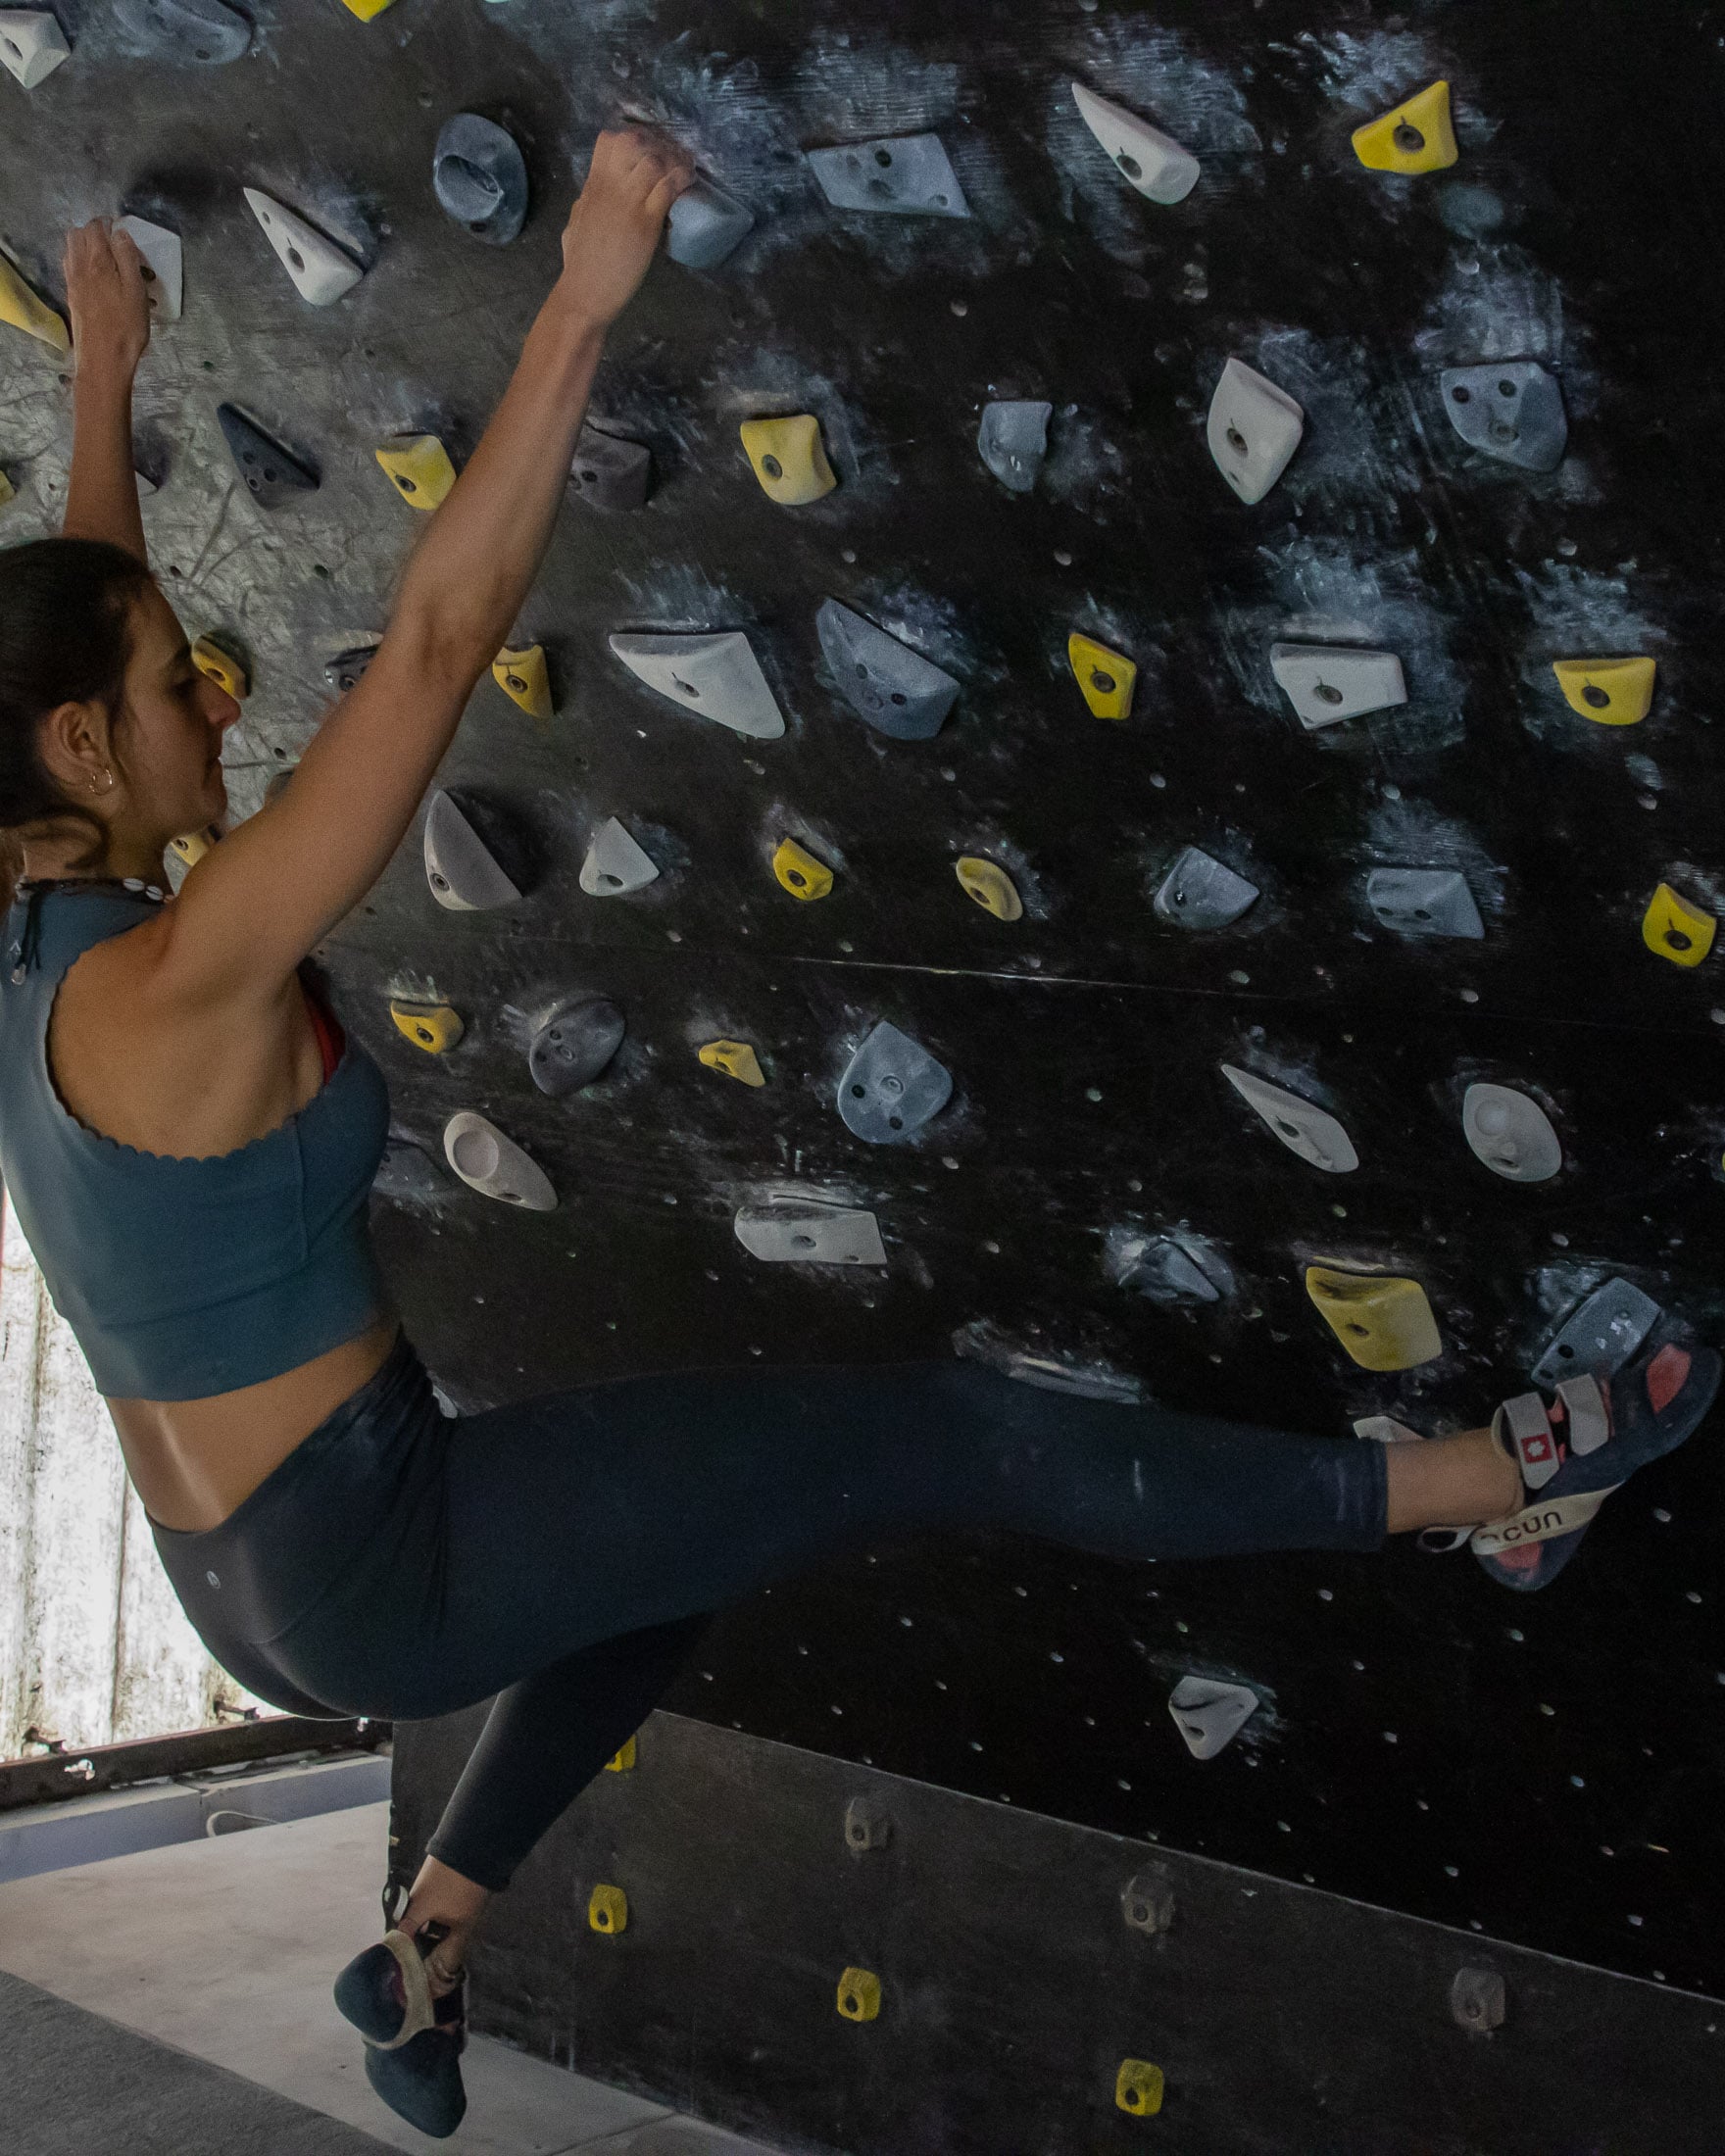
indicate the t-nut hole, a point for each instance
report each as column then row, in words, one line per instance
column 860, row 1093
column 610, row 882
column 1461, row 394
column 1129, row 164
column 897, row 1121
column 796, row 876
column 803, row 1242
column 1288, row 1130
column 1677, row 939
column 1326, row 692
column 1505, row 389
column 407, row 485
column 1103, row 683
column 1595, row 696
column 772, row 467
column 899, row 697
column 1236, row 440
column 884, row 157
column 296, row 258
column 1407, row 138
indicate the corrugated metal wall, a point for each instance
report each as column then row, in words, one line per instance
column 95, row 1648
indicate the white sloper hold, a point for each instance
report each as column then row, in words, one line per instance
column 1254, row 428
column 1210, row 1714
column 616, row 864
column 798, row 1227
column 1328, row 682
column 1303, row 1128
column 495, row 1166
column 904, row 175
column 459, row 867
column 1160, row 169
column 716, row 677
column 1510, row 1133
column 321, row 271
column 31, row 44
column 165, row 263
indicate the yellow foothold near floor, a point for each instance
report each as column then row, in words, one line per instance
column 191, row 847
column 435, row 1027
column 788, row 459
column 1677, row 930
column 1613, row 691
column 802, row 875
column 524, row 678
column 860, row 1995
column 421, row 467
column 736, row 1058
column 608, row 1909
column 1138, row 2087
column 1417, row 137
column 1106, row 677
column 990, row 887
column 222, row 667
column 366, row 10
column 624, row 1761
column 1384, row 1322
column 21, row 308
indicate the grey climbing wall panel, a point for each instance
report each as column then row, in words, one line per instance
column 1547, row 1767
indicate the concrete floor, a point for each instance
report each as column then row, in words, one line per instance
column 226, row 1948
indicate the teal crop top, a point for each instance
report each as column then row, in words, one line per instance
column 180, row 1277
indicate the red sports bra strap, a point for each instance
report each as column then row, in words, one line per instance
column 330, row 1039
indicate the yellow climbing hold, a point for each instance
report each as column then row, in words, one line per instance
column 222, row 667
column 1614, row 692
column 1385, row 1323
column 1677, row 930
column 624, row 1760
column 21, row 306
column 736, row 1058
column 191, row 847
column 525, row 679
column 802, row 875
column 7, row 490
column 1138, row 2087
column 1417, row 137
column 435, row 1027
column 1106, row 677
column 419, row 465
column 366, row 10
column 860, row 1995
column 608, row 1909
column 990, row 887
column 788, row 459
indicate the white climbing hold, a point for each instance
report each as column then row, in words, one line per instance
column 1160, row 169
column 796, row 1227
column 907, row 176
column 1386, row 1429
column 489, row 1162
column 1303, row 1127
column 321, row 271
column 1210, row 1714
column 1510, row 1133
column 460, row 867
column 1254, row 428
column 1328, row 682
column 615, row 864
column 31, row 44
column 716, row 677
column 163, row 260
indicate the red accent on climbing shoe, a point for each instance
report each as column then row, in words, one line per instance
column 1667, row 1374
column 1523, row 1557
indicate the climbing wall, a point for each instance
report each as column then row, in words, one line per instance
column 1337, row 905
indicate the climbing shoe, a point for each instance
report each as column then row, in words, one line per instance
column 413, row 2041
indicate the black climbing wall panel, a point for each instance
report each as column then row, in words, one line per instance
column 1544, row 1768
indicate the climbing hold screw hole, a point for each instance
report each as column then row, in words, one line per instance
column 897, row 1121
column 1327, row 693
column 1408, row 139
column 772, row 467
column 803, row 1242
column 884, row 157
column 1505, row 389
column 1103, row 684
column 688, row 687
column 589, row 479
column 1677, row 939
column 405, row 483
column 1596, row 696
column 1236, row 441
column 1288, row 1130
column 859, row 1092
column 1460, row 395
column 296, row 258
column 611, row 882
column 899, row 697
column 796, row 876
column 1129, row 166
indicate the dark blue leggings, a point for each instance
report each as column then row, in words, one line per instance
column 565, row 1553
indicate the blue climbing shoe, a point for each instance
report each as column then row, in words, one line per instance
column 413, row 2041
column 1587, row 1444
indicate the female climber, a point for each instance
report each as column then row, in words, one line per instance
column 188, row 1140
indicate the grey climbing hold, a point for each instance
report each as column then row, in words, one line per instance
column 1510, row 409
column 891, row 1086
column 347, row 668
column 202, row 30
column 1424, row 902
column 608, row 470
column 1303, row 1128
column 1146, row 1902
column 1478, row 1999
column 1600, row 1335
column 274, row 475
column 1253, row 429
column 575, row 1044
column 889, row 686
column 908, row 175
column 1163, row 1270
column 705, row 226
column 1210, row 1714
column 982, row 1341
column 795, row 1226
column 31, row 44
column 1201, row 892
column 1512, row 1134
column 615, row 864
column 164, row 264
column 1148, row 160
column 1386, row 1429
column 460, row 867
column 715, row 676
column 1328, row 682
column 1012, row 441
column 480, row 178
column 495, row 1166
column 404, row 1171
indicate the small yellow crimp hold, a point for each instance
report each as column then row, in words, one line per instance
column 1384, row 1322
column 608, row 1909
column 435, row 1027
column 191, row 847
column 525, row 680
column 989, row 886
column 802, row 875
column 223, row 669
column 21, row 308
column 1677, row 930
column 1613, row 691
column 788, row 458
column 419, row 465
column 1106, row 677
column 1138, row 2087
column 736, row 1058
column 7, row 490
column 1417, row 137
column 860, row 1995
column 624, row 1761
column 368, row 11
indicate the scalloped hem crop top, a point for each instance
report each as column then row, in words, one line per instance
column 182, row 1277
